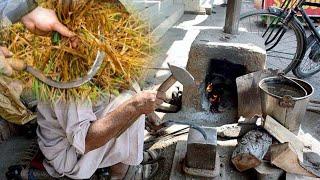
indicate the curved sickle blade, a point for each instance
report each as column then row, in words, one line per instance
column 71, row 84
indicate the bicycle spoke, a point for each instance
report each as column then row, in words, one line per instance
column 280, row 57
column 287, row 42
column 282, row 47
column 279, row 52
column 288, row 37
column 285, row 49
column 308, row 65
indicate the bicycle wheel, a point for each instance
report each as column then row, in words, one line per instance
column 310, row 63
column 283, row 52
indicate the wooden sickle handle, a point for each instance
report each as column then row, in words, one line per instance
column 167, row 84
column 163, row 88
column 17, row 64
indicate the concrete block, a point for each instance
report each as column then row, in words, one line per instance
column 200, row 150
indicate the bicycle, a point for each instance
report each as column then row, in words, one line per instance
column 285, row 37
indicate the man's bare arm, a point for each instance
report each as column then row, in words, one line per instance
column 115, row 122
column 103, row 130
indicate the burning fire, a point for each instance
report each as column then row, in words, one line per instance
column 214, row 96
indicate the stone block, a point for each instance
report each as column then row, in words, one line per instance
column 200, row 150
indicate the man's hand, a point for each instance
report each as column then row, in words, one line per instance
column 5, row 68
column 41, row 21
column 147, row 101
column 115, row 122
column 5, row 52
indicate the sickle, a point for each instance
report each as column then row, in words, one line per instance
column 22, row 66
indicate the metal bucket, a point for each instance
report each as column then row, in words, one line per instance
column 285, row 99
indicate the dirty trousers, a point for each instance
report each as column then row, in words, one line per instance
column 61, row 137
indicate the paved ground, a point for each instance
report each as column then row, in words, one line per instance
column 174, row 47
column 11, row 152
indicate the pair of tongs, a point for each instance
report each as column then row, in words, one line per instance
column 20, row 65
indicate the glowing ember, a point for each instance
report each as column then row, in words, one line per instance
column 214, row 92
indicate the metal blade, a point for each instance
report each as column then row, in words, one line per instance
column 71, row 84
column 182, row 75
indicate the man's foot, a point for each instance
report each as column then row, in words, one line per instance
column 102, row 174
column 147, row 169
column 151, row 156
column 22, row 172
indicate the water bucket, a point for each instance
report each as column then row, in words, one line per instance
column 285, row 99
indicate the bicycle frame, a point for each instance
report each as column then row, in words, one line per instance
column 306, row 18
column 290, row 13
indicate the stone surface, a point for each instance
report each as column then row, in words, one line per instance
column 265, row 171
column 198, row 6
column 291, row 176
column 214, row 44
column 176, row 11
column 160, row 14
column 11, row 152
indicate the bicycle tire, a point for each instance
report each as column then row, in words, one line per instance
column 297, row 30
column 298, row 70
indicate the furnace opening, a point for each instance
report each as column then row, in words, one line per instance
column 220, row 84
